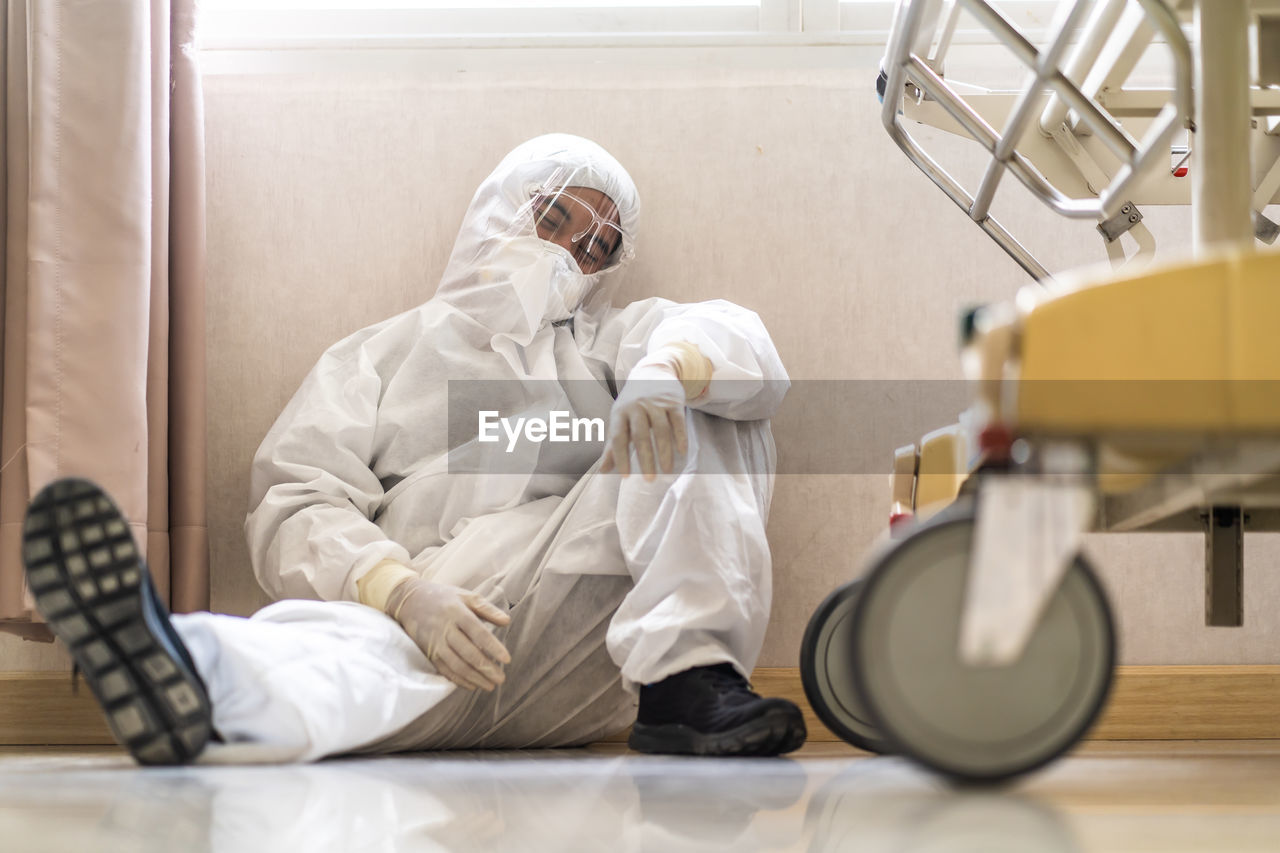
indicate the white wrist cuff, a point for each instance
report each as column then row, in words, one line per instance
column 378, row 583
column 691, row 367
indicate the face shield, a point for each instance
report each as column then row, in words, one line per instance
column 582, row 220
column 543, row 238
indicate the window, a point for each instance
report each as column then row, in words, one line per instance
column 295, row 23
column 230, row 20
column 873, row 17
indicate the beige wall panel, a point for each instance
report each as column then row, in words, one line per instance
column 335, row 197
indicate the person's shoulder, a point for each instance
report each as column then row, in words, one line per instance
column 394, row 325
column 378, row 342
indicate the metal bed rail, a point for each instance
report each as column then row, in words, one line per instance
column 905, row 65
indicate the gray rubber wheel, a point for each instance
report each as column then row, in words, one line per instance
column 826, row 670
column 975, row 724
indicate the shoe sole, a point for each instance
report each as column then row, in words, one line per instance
column 91, row 587
column 775, row 732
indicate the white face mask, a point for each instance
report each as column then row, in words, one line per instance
column 545, row 275
column 569, row 288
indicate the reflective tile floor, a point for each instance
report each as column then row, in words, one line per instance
column 1151, row 796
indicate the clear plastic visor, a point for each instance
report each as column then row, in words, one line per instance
column 584, row 222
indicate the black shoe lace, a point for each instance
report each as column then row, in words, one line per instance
column 727, row 678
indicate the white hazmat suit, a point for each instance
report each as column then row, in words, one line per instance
column 610, row 582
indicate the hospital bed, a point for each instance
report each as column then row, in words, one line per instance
column 978, row 640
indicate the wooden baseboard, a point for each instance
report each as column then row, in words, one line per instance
column 41, row 708
column 1147, row 703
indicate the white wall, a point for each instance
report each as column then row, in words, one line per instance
column 766, row 179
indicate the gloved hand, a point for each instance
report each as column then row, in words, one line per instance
column 446, row 623
column 649, row 412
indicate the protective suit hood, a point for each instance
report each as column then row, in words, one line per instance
column 502, row 275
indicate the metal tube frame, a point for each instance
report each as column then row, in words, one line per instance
column 1098, row 29
column 1221, row 187
column 902, row 65
column 1046, row 65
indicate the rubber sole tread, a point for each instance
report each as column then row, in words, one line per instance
column 775, row 732
column 92, row 587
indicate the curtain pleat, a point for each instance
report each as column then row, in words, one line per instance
column 14, row 491
column 157, row 380
column 103, row 279
column 188, row 472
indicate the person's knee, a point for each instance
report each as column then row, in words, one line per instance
column 727, row 461
column 722, row 446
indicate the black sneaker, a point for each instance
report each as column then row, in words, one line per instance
column 94, row 590
column 711, row 710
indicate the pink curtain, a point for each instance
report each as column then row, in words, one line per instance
column 103, row 279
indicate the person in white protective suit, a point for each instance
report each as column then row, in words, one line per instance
column 437, row 591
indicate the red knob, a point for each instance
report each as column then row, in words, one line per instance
column 996, row 441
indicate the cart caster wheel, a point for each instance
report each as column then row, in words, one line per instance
column 974, row 724
column 826, row 661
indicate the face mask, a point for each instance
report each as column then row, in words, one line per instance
column 570, row 287
column 535, row 265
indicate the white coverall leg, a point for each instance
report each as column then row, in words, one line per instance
column 682, row 579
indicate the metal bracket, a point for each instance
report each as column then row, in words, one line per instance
column 1112, row 228
column 1224, row 566
column 1264, row 229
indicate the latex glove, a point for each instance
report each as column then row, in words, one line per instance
column 447, row 623
column 648, row 414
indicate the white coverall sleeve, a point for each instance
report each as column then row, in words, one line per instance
column 312, row 490
column 748, row 380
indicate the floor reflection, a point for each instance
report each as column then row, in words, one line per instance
column 552, row 801
column 580, row 800
column 885, row 805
